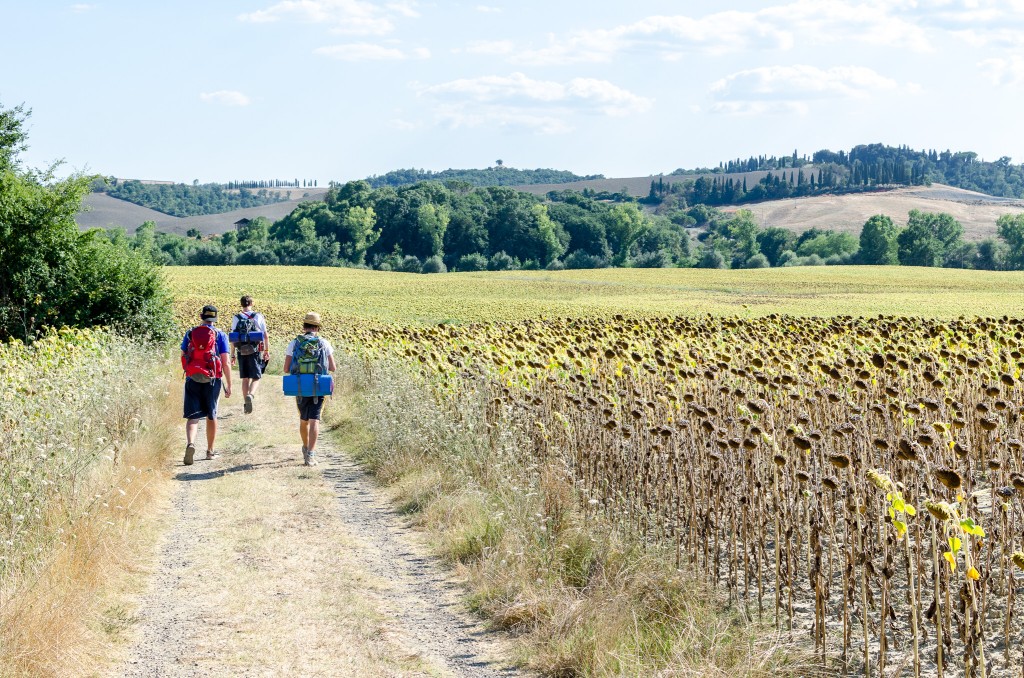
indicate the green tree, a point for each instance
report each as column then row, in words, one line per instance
column 773, row 241
column 878, row 242
column 432, row 221
column 359, row 228
column 53, row 275
column 743, row 230
column 624, row 224
column 918, row 246
column 1010, row 228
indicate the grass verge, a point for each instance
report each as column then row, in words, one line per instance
column 583, row 597
column 69, row 614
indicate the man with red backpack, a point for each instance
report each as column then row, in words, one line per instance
column 206, row 361
column 251, row 342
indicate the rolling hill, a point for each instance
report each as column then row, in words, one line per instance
column 103, row 211
column 976, row 211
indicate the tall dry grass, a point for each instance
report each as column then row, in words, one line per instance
column 85, row 428
column 586, row 597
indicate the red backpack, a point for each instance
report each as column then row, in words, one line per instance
column 201, row 361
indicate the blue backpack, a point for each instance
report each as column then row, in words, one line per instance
column 309, row 355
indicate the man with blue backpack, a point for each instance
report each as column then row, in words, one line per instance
column 205, row 360
column 308, row 358
column 251, row 341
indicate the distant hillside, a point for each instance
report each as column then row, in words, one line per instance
column 977, row 212
column 493, row 176
column 638, row 187
column 102, row 211
column 186, row 200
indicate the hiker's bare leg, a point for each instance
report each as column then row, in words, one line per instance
column 247, row 387
column 313, row 434
column 211, row 433
column 304, row 432
column 190, row 430
column 253, row 385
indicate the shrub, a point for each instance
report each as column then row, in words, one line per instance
column 787, row 258
column 411, row 264
column 758, row 261
column 657, row 259
column 472, row 262
column 258, row 256
column 555, row 265
column 434, row 264
column 712, row 259
column 502, row 262
column 580, row 259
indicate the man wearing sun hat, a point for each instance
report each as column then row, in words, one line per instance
column 309, row 352
column 206, row 362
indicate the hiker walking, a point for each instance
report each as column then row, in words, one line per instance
column 205, row 359
column 251, row 343
column 309, row 354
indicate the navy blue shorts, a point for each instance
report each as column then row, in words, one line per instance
column 309, row 407
column 250, row 366
column 201, row 399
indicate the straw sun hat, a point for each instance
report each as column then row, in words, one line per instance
column 312, row 319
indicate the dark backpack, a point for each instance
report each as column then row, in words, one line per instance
column 201, row 361
column 309, row 355
column 245, row 325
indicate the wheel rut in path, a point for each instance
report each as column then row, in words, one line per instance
column 425, row 600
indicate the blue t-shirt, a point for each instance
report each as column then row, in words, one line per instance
column 222, row 342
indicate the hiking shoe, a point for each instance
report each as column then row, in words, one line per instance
column 310, row 458
column 305, row 456
column 248, row 404
column 210, row 454
column 190, row 454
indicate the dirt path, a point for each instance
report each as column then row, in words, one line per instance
column 269, row 568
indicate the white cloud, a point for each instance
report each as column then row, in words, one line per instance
column 493, row 47
column 405, row 125
column 406, row 9
column 226, row 97
column 781, row 27
column 81, row 8
column 782, row 89
column 1004, row 72
column 487, row 9
column 504, row 117
column 364, row 51
column 517, row 101
column 589, row 93
column 356, row 17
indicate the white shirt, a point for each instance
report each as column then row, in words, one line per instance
column 328, row 349
column 261, row 322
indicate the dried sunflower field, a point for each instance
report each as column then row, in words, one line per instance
column 854, row 481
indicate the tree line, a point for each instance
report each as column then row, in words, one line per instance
column 863, row 168
column 184, row 200
column 433, row 227
column 499, row 175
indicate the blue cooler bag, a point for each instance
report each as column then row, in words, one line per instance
column 309, row 385
column 245, row 337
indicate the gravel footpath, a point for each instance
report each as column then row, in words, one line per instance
column 390, row 606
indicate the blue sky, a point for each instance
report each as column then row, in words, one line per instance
column 341, row 89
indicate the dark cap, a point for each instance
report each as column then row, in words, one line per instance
column 208, row 312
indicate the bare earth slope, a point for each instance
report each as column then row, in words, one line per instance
column 976, row 211
column 103, row 211
column 271, row 569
